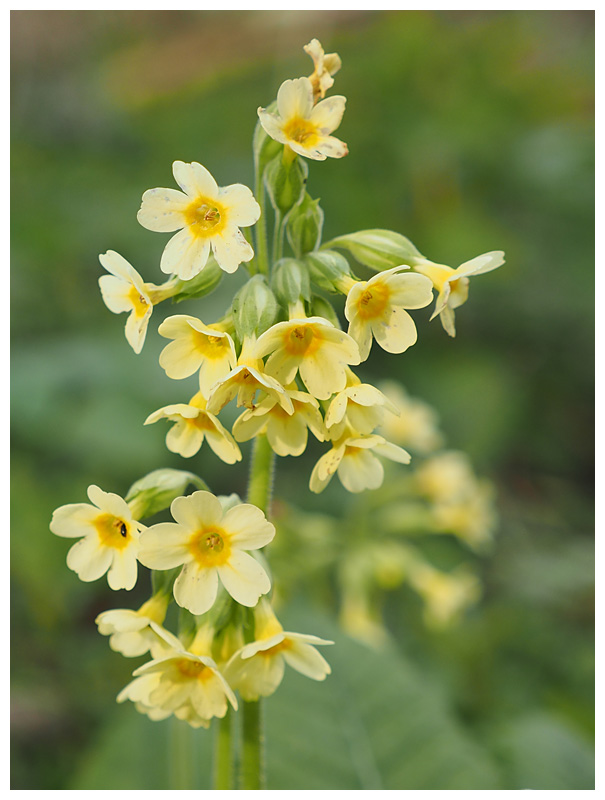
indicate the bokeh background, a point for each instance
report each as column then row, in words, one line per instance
column 468, row 131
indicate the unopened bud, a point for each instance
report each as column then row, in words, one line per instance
column 328, row 269
column 254, row 308
column 290, row 281
column 378, row 249
column 285, row 182
column 305, row 224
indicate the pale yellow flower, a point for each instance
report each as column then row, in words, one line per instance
column 244, row 381
column 303, row 127
column 359, row 405
column 415, row 427
column 286, row 433
column 357, row 467
column 196, row 346
column 452, row 284
column 211, row 545
column 130, row 632
column 325, row 65
column 257, row 669
column 181, row 682
column 205, row 217
column 125, row 291
column 446, row 595
column 376, row 309
column 314, row 348
column 192, row 424
column 471, row 518
column 446, row 477
column 109, row 538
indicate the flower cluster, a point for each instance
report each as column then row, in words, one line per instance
column 280, row 351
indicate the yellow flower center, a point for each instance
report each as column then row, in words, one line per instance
column 301, row 131
column 202, row 422
column 373, row 300
column 113, row 531
column 210, row 547
column 211, row 347
column 302, row 340
column 205, row 217
column 139, row 304
column 277, row 648
column 193, row 670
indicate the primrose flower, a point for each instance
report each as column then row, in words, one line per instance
column 303, row 127
column 446, row 595
column 452, row 284
column 130, row 632
column 471, row 518
column 314, row 348
column 357, row 467
column 192, row 424
column 257, row 669
column 376, row 309
column 286, row 433
column 205, row 217
column 210, row 545
column 359, row 405
column 125, row 291
column 325, row 65
column 196, row 346
column 109, row 538
column 180, row 682
column 446, row 477
column 416, row 425
column 244, row 381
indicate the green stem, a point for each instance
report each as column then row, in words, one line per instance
column 253, row 746
column 181, row 755
column 261, row 474
column 223, row 755
column 278, row 237
column 262, row 247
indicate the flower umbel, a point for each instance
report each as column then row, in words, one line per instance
column 205, row 215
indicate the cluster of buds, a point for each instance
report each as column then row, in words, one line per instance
column 280, row 352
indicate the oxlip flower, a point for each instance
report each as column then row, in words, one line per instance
column 303, row 127
column 206, row 217
column 109, row 538
column 211, row 546
column 359, row 405
column 192, row 424
column 257, row 669
column 130, row 632
column 376, row 309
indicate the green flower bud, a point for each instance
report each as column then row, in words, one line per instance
column 328, row 269
column 202, row 284
column 254, row 308
column 285, row 182
column 320, row 307
column 158, row 489
column 290, row 281
column 378, row 249
column 263, row 146
column 305, row 223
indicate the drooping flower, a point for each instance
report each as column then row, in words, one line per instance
column 205, row 217
column 109, row 538
column 303, row 127
column 211, row 545
column 192, row 424
column 352, row 457
column 257, row 669
column 286, row 433
column 325, row 65
column 471, row 518
column 359, row 405
column 245, row 380
column 130, row 632
column 376, row 309
column 314, row 348
column 416, row 425
column 452, row 284
column 196, row 346
column 446, row 595
column 446, row 477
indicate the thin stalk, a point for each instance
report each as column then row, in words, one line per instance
column 223, row 753
column 261, row 474
column 181, row 755
column 278, row 236
column 262, row 246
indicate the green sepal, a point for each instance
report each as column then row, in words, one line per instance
column 320, row 307
column 327, row 268
column 156, row 491
column 290, row 281
column 305, row 225
column 162, row 580
column 285, row 182
column 254, row 308
column 202, row 284
column 378, row 249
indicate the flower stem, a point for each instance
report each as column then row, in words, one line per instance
column 261, row 474
column 262, row 247
column 253, row 745
column 278, row 237
column 223, row 754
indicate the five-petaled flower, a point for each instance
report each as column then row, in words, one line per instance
column 303, row 127
column 210, row 545
column 109, row 538
column 205, row 217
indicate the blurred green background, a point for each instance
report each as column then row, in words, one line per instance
column 468, row 132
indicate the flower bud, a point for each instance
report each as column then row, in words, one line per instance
column 285, row 182
column 378, row 249
column 290, row 281
column 320, row 307
column 158, row 489
column 328, row 269
column 305, row 223
column 201, row 284
column 254, row 308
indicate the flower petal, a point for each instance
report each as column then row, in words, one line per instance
column 163, row 546
column 243, row 210
column 360, row 470
column 295, row 99
column 327, row 114
column 185, row 255
column 162, row 210
column 194, row 179
column 304, row 658
column 398, row 333
column 73, row 520
column 89, row 559
column 244, row 578
column 248, row 527
column 196, row 509
column 123, row 571
column 195, row 589
column 231, row 249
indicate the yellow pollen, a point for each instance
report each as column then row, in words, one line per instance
column 372, row 302
column 301, row 131
column 205, row 217
column 302, row 340
column 211, row 347
column 193, row 669
column 113, row 531
column 210, row 547
column 139, row 304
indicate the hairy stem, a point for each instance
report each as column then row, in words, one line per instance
column 223, row 753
